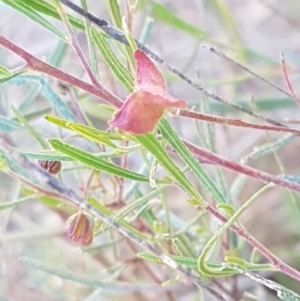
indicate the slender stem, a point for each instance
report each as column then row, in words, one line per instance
column 278, row 264
column 225, row 57
column 286, row 77
column 74, row 43
column 203, row 154
column 40, row 66
column 235, row 122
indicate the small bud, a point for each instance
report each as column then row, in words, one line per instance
column 53, row 167
column 79, row 228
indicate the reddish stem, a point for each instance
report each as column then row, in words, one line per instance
column 38, row 65
column 203, row 154
column 286, row 77
column 236, row 122
column 278, row 264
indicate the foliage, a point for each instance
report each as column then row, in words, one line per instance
column 138, row 188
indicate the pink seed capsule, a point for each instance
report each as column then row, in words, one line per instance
column 79, row 228
column 53, row 167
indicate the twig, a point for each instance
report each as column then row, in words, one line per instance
column 225, row 57
column 278, row 264
column 287, row 80
column 37, row 65
column 235, row 122
column 203, row 154
column 74, row 43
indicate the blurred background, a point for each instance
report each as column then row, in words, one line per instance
column 253, row 33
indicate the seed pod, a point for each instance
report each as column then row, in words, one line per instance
column 53, row 167
column 79, row 228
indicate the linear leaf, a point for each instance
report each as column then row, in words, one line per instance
column 31, row 130
column 161, row 13
column 48, row 92
column 123, row 212
column 120, row 72
column 83, row 130
column 47, row 9
column 94, row 162
column 123, row 223
column 70, row 275
column 152, row 145
column 4, row 72
column 24, row 8
column 56, row 156
column 192, row 263
column 173, row 139
column 16, row 203
column 7, row 125
column 114, row 11
column 202, row 263
column 49, row 201
column 91, row 44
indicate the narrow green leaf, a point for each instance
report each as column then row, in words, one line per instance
column 126, row 210
column 148, row 215
column 50, row 201
column 7, row 125
column 16, row 203
column 93, row 134
column 228, row 208
column 115, row 13
column 31, row 130
column 83, row 130
column 54, row 60
column 173, row 139
column 24, row 8
column 70, row 275
column 269, row 148
column 94, row 162
column 58, row 53
column 146, row 30
column 249, row 265
column 45, row 8
column 223, row 14
column 91, row 44
column 202, row 263
column 118, row 21
column 56, row 156
column 192, row 263
column 61, row 107
column 123, row 223
column 120, row 72
column 4, row 72
column 162, row 14
column 16, row 168
column 152, row 145
column 101, row 246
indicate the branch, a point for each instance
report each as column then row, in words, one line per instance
column 40, row 66
column 235, row 122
